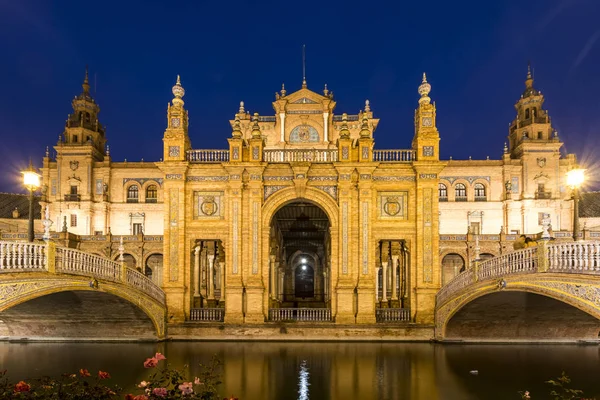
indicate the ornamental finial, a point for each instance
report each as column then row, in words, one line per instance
column 424, row 89
column 364, row 129
column 255, row 126
column 242, row 110
column 529, row 79
column 237, row 129
column 86, row 81
column 344, row 132
column 283, row 91
column 367, row 106
column 178, row 92
column 325, row 91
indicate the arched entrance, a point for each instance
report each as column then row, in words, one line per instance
column 452, row 265
column 153, row 270
column 300, row 249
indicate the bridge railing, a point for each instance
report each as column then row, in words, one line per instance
column 31, row 257
column 562, row 257
column 16, row 257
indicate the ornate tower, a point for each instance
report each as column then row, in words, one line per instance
column 426, row 139
column 176, row 139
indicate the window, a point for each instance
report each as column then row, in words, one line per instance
column 443, row 192
column 98, row 233
column 527, row 114
column 480, row 192
column 132, row 194
column 534, row 112
column 460, row 192
column 73, row 189
column 137, row 228
column 151, row 194
column 73, row 220
column 540, row 135
column 74, row 138
column 475, row 228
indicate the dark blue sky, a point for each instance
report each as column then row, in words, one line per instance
column 475, row 55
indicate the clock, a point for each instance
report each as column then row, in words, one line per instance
column 175, row 122
column 427, row 121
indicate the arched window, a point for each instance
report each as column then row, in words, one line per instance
column 480, row 192
column 151, row 194
column 460, row 192
column 527, row 114
column 443, row 192
column 132, row 194
column 534, row 112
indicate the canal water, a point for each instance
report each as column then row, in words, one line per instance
column 337, row 371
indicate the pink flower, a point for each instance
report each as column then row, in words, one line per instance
column 150, row 363
column 186, row 388
column 143, row 384
column 103, row 375
column 84, row 372
column 160, row 392
column 22, row 386
column 197, row 381
column 159, row 356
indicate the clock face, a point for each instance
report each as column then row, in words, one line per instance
column 175, row 122
column 427, row 121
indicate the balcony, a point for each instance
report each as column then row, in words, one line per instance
column 296, row 155
column 300, row 314
column 207, row 314
column 132, row 200
column 460, row 198
column 73, row 197
column 208, row 156
column 151, row 200
column 392, row 315
column 480, row 198
column 443, row 199
column 543, row 195
column 394, row 155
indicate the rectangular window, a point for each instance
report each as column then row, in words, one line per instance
column 540, row 135
column 74, row 138
column 73, row 189
column 137, row 229
column 475, row 228
column 98, row 233
column 73, row 220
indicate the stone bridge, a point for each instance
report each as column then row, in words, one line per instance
column 549, row 293
column 43, row 286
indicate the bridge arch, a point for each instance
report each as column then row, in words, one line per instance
column 578, row 292
column 21, row 289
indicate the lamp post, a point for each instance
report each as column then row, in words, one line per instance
column 575, row 178
column 31, row 180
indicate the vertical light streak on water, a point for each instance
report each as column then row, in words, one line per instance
column 303, row 383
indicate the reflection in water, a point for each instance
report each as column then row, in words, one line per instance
column 336, row 371
column 303, row 382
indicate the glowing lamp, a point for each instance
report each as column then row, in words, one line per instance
column 575, row 177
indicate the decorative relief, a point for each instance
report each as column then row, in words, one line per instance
column 142, row 181
column 207, row 178
column 173, row 151
column 394, row 178
column 172, row 177
column 279, row 178
column 427, row 121
column 255, row 237
column 304, row 100
column 345, row 177
column 427, row 236
column 345, row 238
column 208, row 204
column 304, row 134
column 236, row 153
column 345, row 153
column 393, row 205
column 74, row 165
column 300, row 176
column 53, row 187
column 255, row 177
column 515, row 184
column 323, row 178
column 330, row 190
column 428, row 151
column 235, row 237
column 365, row 176
column 541, row 162
column 427, row 176
column 365, row 229
column 469, row 179
column 269, row 190
column 255, row 150
column 365, row 152
column 173, row 234
column 99, row 186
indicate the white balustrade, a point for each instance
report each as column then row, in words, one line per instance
column 207, row 314
column 208, row 156
column 299, row 155
column 574, row 257
column 392, row 315
column 300, row 314
column 394, row 155
column 16, row 257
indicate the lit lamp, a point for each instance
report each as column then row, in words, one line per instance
column 31, row 180
column 575, row 178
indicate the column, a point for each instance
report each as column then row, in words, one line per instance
column 272, row 273
column 377, row 284
column 281, row 283
column 209, row 280
column 222, row 269
column 197, row 271
column 325, row 286
column 384, row 280
column 394, row 277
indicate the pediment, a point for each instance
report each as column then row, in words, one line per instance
column 304, row 100
column 305, row 96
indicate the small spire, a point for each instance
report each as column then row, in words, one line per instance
column 424, row 89
column 255, row 126
column 107, row 150
column 325, row 91
column 283, row 91
column 529, row 79
column 86, row 81
column 364, row 129
column 424, row 78
column 505, row 148
column 367, row 106
column 237, row 129
column 344, row 132
column 47, row 152
column 242, row 110
column 178, row 91
column 303, row 66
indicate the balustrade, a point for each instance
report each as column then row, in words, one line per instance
column 208, row 156
column 300, row 314
column 392, row 315
column 207, row 314
column 394, row 155
column 299, row 155
column 16, row 257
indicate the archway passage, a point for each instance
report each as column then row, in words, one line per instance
column 77, row 315
column 300, row 253
column 510, row 315
column 452, row 265
column 153, row 269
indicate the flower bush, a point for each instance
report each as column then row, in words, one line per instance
column 163, row 383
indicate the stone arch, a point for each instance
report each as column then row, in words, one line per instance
column 128, row 186
column 452, row 189
column 548, row 286
column 157, row 270
column 129, row 259
column 29, row 289
column 144, row 188
column 452, row 265
column 286, row 196
column 486, row 188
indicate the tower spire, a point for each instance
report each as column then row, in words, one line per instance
column 303, row 66
column 529, row 79
column 86, row 81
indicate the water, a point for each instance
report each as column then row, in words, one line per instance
column 337, row 371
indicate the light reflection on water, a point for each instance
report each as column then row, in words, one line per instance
column 337, row 371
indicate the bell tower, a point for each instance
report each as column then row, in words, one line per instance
column 176, row 140
column 426, row 140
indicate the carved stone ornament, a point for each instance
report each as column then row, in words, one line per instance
column 74, row 165
column 541, row 162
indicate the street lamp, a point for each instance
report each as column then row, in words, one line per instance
column 31, row 180
column 575, row 178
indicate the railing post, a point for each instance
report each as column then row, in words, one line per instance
column 542, row 256
column 51, row 257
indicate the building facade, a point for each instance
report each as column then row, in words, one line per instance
column 301, row 211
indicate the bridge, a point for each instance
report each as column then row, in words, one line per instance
column 549, row 292
column 38, row 278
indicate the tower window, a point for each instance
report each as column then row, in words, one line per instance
column 132, row 194
column 480, row 192
column 74, row 138
column 534, row 112
column 460, row 192
column 151, row 194
column 540, row 135
column 527, row 114
column 73, row 189
column 137, row 228
column 73, row 220
column 443, row 192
